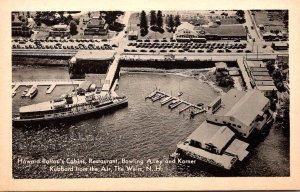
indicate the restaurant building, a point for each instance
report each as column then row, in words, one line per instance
column 96, row 26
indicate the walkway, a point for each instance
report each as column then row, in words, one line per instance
column 48, row 82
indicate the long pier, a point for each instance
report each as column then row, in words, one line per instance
column 111, row 74
column 180, row 101
column 51, row 83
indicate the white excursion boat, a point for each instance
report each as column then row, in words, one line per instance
column 68, row 106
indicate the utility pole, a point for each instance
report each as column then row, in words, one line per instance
column 257, row 52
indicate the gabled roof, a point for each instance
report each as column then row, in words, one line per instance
column 247, row 108
column 221, row 137
column 186, row 25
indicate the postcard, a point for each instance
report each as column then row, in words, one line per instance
column 130, row 97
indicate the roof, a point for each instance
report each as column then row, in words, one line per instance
column 216, row 135
column 280, row 44
column 260, row 73
column 262, row 78
column 224, row 30
column 222, row 137
column 258, row 69
column 133, row 33
column 238, row 148
column 204, row 132
column 264, row 83
column 185, row 25
column 85, row 85
column 95, row 54
column 95, row 22
column 221, row 65
column 60, row 26
column 247, row 108
column 228, row 100
column 266, row 88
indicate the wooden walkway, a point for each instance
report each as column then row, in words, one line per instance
column 52, row 83
column 171, row 98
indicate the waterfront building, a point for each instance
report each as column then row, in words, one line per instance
column 242, row 111
column 96, row 26
column 60, row 31
column 90, row 61
column 231, row 118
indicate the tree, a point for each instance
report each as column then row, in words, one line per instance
column 73, row 28
column 89, row 14
column 153, row 19
column 28, row 14
column 270, row 67
column 159, row 19
column 177, row 20
column 171, row 23
column 240, row 13
column 286, row 18
column 143, row 21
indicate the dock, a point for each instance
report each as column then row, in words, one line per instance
column 110, row 75
column 196, row 109
column 52, row 83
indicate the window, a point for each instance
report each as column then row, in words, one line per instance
column 239, row 126
column 234, row 125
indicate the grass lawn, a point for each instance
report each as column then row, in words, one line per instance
column 272, row 20
column 133, row 22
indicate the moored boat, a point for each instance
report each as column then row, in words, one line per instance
column 33, row 92
column 24, row 92
column 68, row 106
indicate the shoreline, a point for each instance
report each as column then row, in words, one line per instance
column 188, row 73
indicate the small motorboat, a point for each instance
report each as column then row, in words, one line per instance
column 179, row 94
column 200, row 104
column 24, row 92
column 33, row 91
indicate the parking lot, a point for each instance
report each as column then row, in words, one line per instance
column 61, row 44
column 163, row 46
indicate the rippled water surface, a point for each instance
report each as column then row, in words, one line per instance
column 142, row 131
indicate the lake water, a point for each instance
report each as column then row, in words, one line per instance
column 142, row 131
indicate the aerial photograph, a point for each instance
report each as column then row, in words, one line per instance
column 150, row 93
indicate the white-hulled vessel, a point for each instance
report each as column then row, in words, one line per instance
column 68, row 106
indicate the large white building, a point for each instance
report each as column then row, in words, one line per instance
column 240, row 110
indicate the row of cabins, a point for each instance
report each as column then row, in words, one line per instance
column 231, row 118
column 261, row 79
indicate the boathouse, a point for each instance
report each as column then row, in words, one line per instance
column 90, row 61
column 242, row 111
